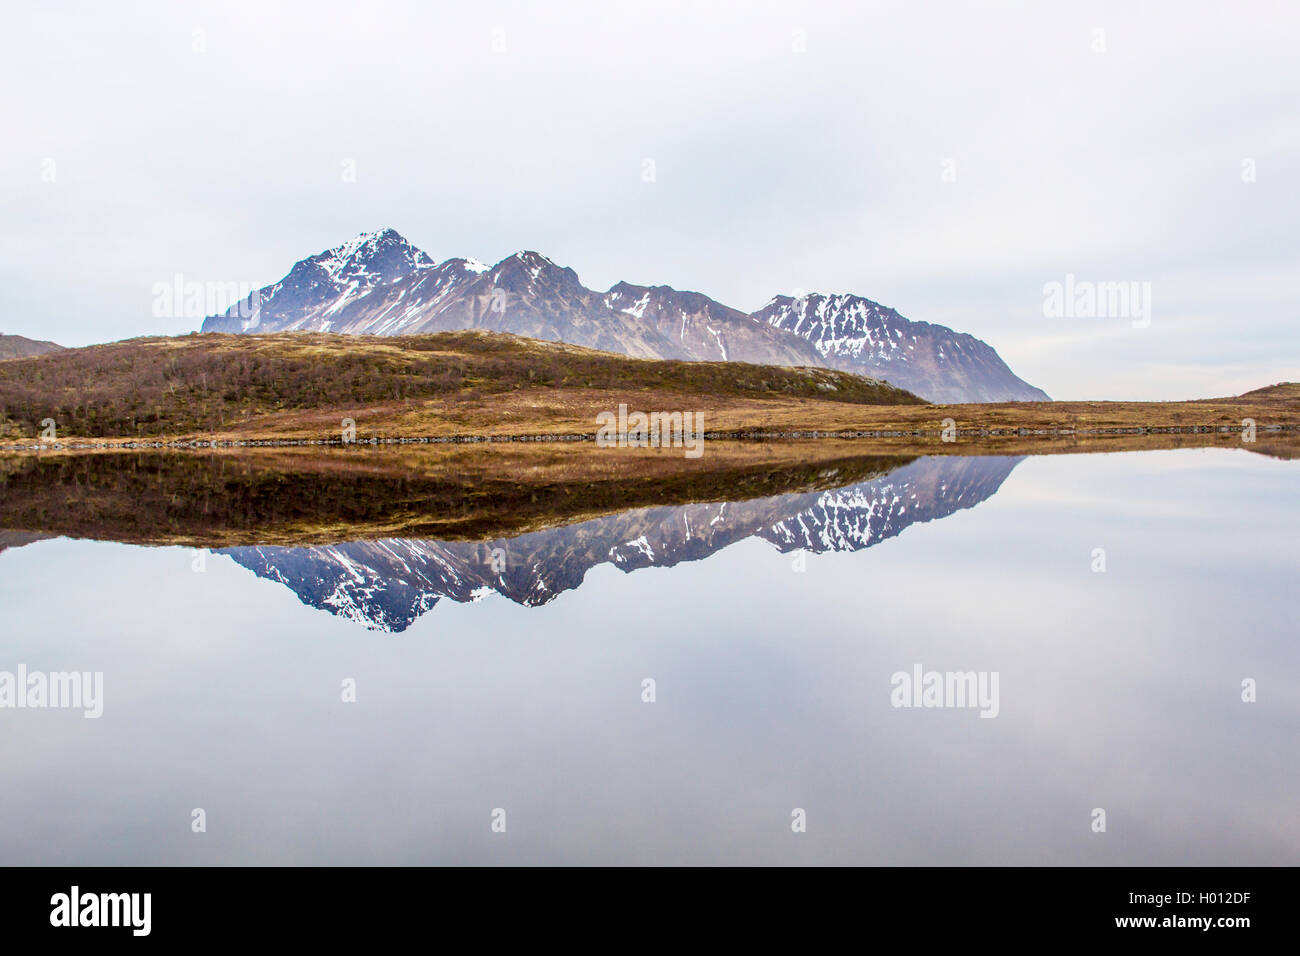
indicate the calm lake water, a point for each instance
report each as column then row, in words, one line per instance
column 511, row 675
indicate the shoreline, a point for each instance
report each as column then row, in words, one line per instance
column 739, row 435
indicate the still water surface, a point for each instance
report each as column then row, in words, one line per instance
column 511, row 675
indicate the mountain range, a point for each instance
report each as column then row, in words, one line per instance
column 380, row 284
column 386, row 585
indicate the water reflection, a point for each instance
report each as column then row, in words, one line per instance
column 387, row 584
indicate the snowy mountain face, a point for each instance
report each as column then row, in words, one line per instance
column 387, row 585
column 528, row 294
column 380, row 284
column 316, row 289
column 857, row 335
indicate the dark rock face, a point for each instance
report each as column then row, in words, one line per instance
column 387, row 585
column 379, row 284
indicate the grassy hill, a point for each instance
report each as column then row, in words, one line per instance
column 17, row 346
column 206, row 383
column 1283, row 393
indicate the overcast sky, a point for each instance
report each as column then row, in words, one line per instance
column 947, row 159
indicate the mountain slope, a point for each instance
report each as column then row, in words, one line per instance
column 18, row 346
column 708, row 330
column 528, row 294
column 855, row 334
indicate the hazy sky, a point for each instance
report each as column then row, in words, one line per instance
column 947, row 159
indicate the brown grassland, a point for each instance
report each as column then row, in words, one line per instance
column 304, row 383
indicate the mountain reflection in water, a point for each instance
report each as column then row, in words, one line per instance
column 387, row 584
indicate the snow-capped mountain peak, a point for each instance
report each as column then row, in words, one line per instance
column 532, row 269
column 856, row 334
column 319, row 287
column 533, row 259
column 372, row 258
